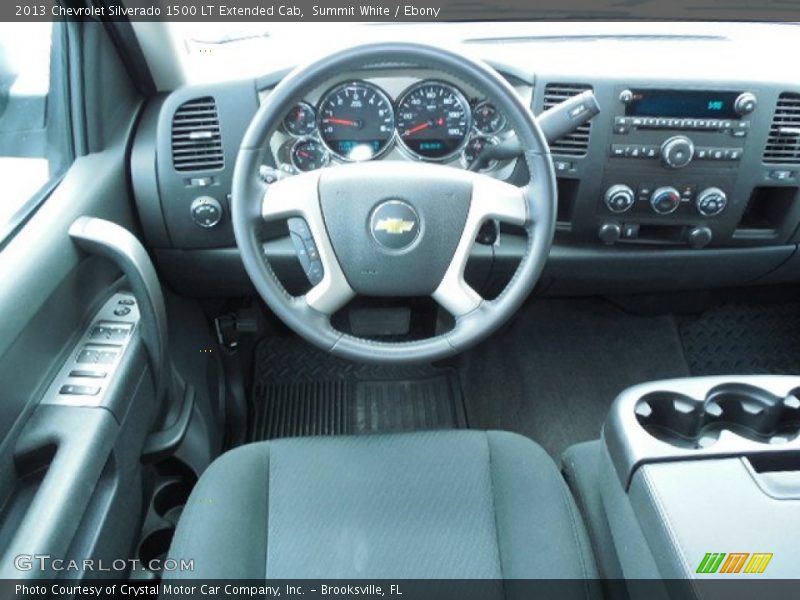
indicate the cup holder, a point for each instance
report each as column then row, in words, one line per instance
column 170, row 499
column 155, row 545
column 746, row 410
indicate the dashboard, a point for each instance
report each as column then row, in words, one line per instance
column 688, row 178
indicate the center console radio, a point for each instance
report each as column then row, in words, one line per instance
column 672, row 164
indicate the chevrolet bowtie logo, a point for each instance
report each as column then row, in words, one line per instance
column 394, row 226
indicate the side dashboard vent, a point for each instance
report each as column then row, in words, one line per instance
column 783, row 144
column 196, row 138
column 577, row 142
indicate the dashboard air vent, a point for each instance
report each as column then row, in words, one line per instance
column 577, row 142
column 196, row 138
column 783, row 144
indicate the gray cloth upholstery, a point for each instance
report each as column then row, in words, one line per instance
column 445, row 504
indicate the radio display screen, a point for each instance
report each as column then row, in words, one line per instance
column 682, row 103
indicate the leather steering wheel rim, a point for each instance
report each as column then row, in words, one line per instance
column 249, row 204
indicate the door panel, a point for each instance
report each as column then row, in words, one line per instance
column 70, row 476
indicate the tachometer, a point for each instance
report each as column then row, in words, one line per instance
column 433, row 120
column 301, row 120
column 356, row 121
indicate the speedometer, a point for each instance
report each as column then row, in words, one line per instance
column 356, row 121
column 433, row 120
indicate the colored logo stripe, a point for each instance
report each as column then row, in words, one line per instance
column 734, row 562
column 711, row 562
column 758, row 562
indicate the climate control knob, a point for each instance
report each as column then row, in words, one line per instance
column 711, row 201
column 619, row 198
column 665, row 200
column 677, row 151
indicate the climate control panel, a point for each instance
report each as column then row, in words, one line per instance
column 665, row 200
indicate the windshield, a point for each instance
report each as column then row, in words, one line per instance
column 221, row 51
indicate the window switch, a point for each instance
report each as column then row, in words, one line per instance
column 86, row 374
column 79, row 390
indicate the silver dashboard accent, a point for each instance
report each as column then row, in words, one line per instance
column 86, row 376
column 491, row 199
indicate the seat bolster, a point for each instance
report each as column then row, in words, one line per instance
column 539, row 529
column 224, row 526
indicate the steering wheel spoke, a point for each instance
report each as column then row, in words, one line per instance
column 298, row 196
column 491, row 199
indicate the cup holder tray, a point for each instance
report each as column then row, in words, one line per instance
column 702, row 417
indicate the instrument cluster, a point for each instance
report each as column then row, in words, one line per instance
column 431, row 120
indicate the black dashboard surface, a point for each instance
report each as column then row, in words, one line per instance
column 688, row 178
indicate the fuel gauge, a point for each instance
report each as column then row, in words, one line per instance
column 473, row 150
column 309, row 155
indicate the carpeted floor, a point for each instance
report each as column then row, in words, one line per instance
column 552, row 374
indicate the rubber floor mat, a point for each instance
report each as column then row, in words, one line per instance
column 744, row 339
column 301, row 391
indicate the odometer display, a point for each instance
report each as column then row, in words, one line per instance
column 356, row 121
column 433, row 120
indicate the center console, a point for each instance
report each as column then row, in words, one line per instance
column 671, row 164
column 685, row 165
column 707, row 471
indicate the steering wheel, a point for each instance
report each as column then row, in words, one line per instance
column 393, row 228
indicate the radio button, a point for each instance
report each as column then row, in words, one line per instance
column 733, row 153
column 677, row 151
column 617, row 150
column 745, row 103
column 701, row 153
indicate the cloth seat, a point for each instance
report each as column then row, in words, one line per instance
column 438, row 504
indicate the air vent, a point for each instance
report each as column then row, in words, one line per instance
column 196, row 139
column 577, row 142
column 783, row 144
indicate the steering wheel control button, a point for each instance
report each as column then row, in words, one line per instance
column 306, row 250
column 122, row 311
column 314, row 272
column 711, row 201
column 665, row 200
column 127, row 302
column 299, row 226
column 394, row 225
column 619, row 198
column 206, row 211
